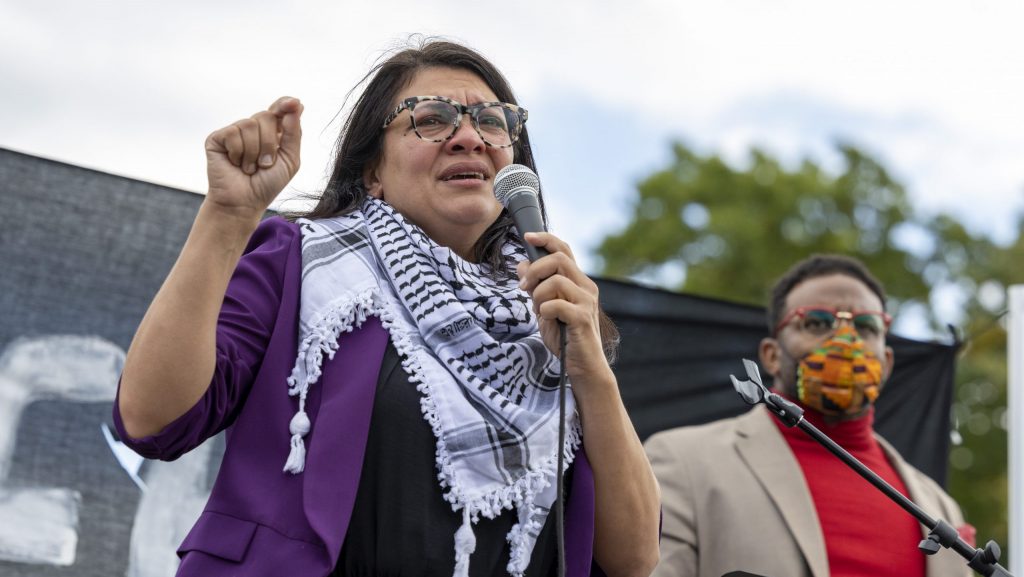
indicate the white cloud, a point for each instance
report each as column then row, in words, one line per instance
column 933, row 88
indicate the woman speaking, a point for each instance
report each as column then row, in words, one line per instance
column 383, row 364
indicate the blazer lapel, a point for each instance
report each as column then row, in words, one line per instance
column 934, row 565
column 772, row 462
column 337, row 442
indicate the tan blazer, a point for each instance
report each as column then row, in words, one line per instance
column 734, row 499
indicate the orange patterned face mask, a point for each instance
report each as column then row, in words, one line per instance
column 841, row 377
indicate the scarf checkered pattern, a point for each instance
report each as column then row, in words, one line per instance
column 470, row 343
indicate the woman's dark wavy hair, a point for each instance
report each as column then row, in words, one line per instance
column 361, row 141
column 361, row 144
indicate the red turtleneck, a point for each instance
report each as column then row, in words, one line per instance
column 866, row 534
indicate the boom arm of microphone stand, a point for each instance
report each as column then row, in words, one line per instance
column 941, row 534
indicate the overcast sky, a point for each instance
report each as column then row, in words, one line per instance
column 933, row 89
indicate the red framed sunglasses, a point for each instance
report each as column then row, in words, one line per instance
column 822, row 320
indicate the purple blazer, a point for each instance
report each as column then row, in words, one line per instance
column 260, row 521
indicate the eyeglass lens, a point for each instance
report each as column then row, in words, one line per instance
column 435, row 120
column 820, row 321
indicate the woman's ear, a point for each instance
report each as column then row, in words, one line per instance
column 371, row 181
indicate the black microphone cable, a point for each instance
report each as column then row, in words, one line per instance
column 563, row 345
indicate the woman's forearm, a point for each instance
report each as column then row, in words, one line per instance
column 171, row 359
column 627, row 498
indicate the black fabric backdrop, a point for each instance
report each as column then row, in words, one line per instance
column 678, row 351
column 83, row 252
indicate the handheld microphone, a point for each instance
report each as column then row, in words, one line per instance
column 517, row 189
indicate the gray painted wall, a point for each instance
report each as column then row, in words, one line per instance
column 81, row 255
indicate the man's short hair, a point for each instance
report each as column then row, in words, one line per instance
column 818, row 265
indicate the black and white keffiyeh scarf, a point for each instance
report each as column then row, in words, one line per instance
column 470, row 343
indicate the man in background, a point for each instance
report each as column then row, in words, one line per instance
column 750, row 494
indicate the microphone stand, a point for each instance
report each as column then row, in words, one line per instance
column 941, row 534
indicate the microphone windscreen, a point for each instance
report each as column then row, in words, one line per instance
column 512, row 179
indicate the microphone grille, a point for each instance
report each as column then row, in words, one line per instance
column 512, row 178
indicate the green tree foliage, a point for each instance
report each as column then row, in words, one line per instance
column 735, row 230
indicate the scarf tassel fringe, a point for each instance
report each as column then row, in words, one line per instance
column 342, row 317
